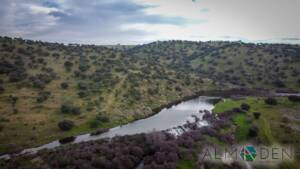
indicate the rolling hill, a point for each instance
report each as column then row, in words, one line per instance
column 42, row 84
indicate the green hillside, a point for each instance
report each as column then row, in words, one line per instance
column 42, row 83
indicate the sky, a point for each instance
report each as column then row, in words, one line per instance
column 143, row 21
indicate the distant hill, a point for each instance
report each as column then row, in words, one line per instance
column 44, row 83
column 234, row 63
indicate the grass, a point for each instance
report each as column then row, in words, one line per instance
column 269, row 120
column 187, row 164
column 243, row 125
column 225, row 105
column 271, row 128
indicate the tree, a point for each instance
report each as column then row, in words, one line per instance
column 17, row 75
column 102, row 117
column 279, row 83
column 64, row 85
column 253, row 131
column 68, row 65
column 69, row 109
column 66, row 125
column 245, row 106
column 256, row 115
column 43, row 96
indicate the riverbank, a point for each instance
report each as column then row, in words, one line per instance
column 164, row 120
column 145, row 142
column 231, row 127
column 233, row 93
column 221, row 93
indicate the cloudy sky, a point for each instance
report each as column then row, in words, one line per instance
column 143, row 21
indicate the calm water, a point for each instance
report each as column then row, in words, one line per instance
column 169, row 118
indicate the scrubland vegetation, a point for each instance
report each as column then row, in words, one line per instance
column 50, row 91
column 162, row 150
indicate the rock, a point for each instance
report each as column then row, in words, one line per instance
column 98, row 132
column 67, row 140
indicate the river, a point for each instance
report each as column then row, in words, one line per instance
column 167, row 119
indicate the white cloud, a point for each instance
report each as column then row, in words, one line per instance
column 254, row 20
column 138, row 21
column 36, row 9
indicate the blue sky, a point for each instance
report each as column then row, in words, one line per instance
column 143, row 21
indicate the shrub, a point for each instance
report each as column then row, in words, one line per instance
column 43, row 96
column 84, row 67
column 13, row 99
column 99, row 131
column 285, row 119
column 253, row 131
column 256, row 115
column 294, row 98
column 238, row 110
column 245, row 106
column 82, row 94
column 69, row 109
column 1, row 127
column 64, row 85
column 103, row 118
column 68, row 64
column 279, row 83
column 67, row 140
column 82, row 86
column 94, row 123
column 40, row 80
column 271, row 101
column 177, row 88
column 17, row 76
column 1, row 89
column 66, row 125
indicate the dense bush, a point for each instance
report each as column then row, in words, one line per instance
column 82, row 94
column 253, row 131
column 294, row 98
column 66, row 125
column 40, row 80
column 102, row 117
column 17, row 76
column 279, row 83
column 1, row 127
column 238, row 110
column 68, row 108
column 13, row 100
column 1, row 89
column 256, row 115
column 245, row 106
column 285, row 119
column 68, row 65
column 43, row 96
column 94, row 123
column 64, row 85
column 271, row 101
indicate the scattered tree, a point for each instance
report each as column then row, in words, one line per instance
column 256, row 115
column 66, row 125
